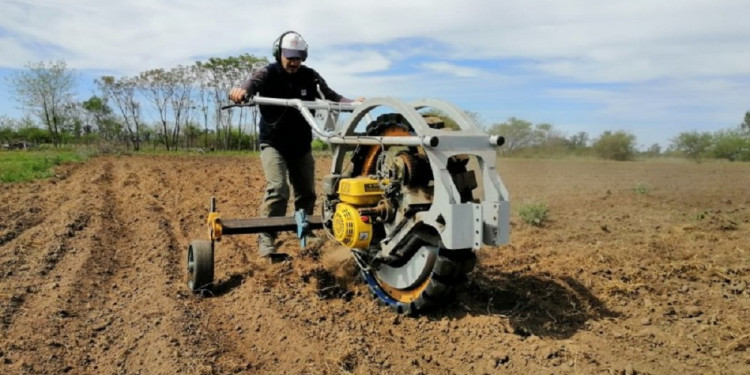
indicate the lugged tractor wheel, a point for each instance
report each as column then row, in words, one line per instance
column 447, row 272
column 200, row 265
column 430, row 276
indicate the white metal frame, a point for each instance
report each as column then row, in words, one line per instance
column 466, row 225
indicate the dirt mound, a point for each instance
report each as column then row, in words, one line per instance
column 620, row 280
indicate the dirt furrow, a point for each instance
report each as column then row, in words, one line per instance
column 618, row 280
column 44, row 285
column 160, row 252
column 141, row 322
column 210, row 341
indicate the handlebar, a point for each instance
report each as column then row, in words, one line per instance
column 297, row 103
column 303, row 106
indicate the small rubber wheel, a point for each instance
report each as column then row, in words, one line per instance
column 200, row 265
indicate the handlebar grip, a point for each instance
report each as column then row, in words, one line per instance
column 243, row 104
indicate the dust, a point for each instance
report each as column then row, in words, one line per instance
column 338, row 260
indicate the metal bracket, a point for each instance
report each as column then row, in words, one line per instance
column 302, row 226
column 215, row 227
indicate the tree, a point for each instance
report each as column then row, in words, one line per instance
column 476, row 118
column 205, row 105
column 549, row 141
column 693, row 144
column 619, row 145
column 99, row 116
column 28, row 131
column 182, row 80
column 578, row 141
column 7, row 129
column 521, row 134
column 518, row 134
column 746, row 123
column 191, row 132
column 46, row 90
column 122, row 92
column 156, row 87
column 732, row 144
column 220, row 75
column 654, row 150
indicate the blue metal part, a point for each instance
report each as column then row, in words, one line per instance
column 302, row 227
column 370, row 280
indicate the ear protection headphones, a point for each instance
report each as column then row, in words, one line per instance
column 277, row 46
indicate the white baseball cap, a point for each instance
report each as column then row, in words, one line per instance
column 293, row 46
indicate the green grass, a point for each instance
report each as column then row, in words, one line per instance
column 21, row 166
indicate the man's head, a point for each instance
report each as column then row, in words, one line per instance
column 290, row 50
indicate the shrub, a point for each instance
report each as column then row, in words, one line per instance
column 733, row 145
column 615, row 146
column 534, row 213
column 641, row 188
column 694, row 145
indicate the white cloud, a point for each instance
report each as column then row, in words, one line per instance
column 617, row 41
column 442, row 67
column 500, row 58
column 10, row 47
column 351, row 62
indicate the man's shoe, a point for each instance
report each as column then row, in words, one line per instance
column 278, row 257
column 266, row 245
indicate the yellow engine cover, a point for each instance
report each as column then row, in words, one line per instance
column 349, row 229
column 360, row 191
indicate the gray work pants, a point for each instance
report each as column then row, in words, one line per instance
column 301, row 175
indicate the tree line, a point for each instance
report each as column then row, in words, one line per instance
column 526, row 139
column 184, row 104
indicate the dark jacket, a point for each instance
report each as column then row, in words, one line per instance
column 284, row 128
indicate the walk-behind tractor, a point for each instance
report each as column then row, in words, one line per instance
column 412, row 199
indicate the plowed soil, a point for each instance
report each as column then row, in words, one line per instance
column 642, row 269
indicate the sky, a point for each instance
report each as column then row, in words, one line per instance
column 652, row 68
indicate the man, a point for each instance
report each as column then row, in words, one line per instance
column 285, row 136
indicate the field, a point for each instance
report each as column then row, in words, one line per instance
column 642, row 268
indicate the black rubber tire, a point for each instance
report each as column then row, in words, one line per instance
column 448, row 273
column 200, row 265
column 451, row 266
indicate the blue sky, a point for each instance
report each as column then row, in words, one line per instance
column 654, row 68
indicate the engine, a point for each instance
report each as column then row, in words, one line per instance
column 350, row 226
column 375, row 211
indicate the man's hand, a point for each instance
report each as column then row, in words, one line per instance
column 237, row 94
